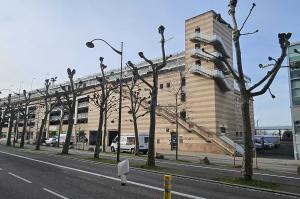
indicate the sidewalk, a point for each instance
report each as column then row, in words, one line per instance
column 281, row 165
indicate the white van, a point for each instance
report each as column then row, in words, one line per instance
column 62, row 139
column 127, row 143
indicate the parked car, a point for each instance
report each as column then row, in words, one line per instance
column 127, row 144
column 51, row 141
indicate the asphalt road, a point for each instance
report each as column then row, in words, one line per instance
column 34, row 175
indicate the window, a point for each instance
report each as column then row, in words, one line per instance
column 183, row 97
column 222, row 129
column 168, row 85
column 236, row 134
column 183, row 114
column 197, row 46
column 241, row 134
column 183, row 81
column 161, row 86
column 131, row 140
column 158, row 141
column 197, row 30
column 146, row 140
column 198, row 62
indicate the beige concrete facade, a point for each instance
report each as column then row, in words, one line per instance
column 209, row 99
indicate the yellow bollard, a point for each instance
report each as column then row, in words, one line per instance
column 167, row 193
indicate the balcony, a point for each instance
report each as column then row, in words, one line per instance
column 54, row 118
column 199, row 54
column 82, row 116
column 213, row 39
column 83, row 105
column 217, row 75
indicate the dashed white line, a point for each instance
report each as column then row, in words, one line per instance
column 103, row 176
column 19, row 177
column 54, row 193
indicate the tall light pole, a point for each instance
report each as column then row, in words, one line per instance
column 90, row 44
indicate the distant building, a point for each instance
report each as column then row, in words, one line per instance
column 210, row 112
column 294, row 82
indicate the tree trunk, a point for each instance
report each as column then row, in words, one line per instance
column 248, row 142
column 104, row 133
column 40, row 134
column 136, row 134
column 105, row 127
column 176, row 112
column 16, row 132
column 23, row 132
column 151, row 150
column 8, row 141
column 99, row 133
column 59, row 129
column 66, row 146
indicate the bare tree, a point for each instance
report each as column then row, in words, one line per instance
column 46, row 97
column 25, row 112
column 4, row 114
column 100, row 99
column 110, row 107
column 67, row 99
column 258, row 88
column 156, row 67
column 136, row 103
column 176, row 90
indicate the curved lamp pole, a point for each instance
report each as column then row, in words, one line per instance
column 90, row 44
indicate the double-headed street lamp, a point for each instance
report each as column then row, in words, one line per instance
column 90, row 44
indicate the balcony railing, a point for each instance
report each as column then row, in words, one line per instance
column 218, row 75
column 54, row 118
column 213, row 39
column 83, row 104
column 82, row 115
column 199, row 54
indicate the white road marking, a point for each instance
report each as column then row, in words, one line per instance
column 54, row 193
column 19, row 177
column 103, row 176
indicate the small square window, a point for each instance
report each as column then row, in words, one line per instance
column 158, row 141
column 197, row 46
column 198, row 62
column 161, row 86
column 197, row 30
column 168, row 85
column 183, row 97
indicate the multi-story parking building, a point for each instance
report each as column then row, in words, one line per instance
column 210, row 107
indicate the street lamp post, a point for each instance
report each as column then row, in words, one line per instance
column 120, row 52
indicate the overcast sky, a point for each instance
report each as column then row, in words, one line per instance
column 41, row 38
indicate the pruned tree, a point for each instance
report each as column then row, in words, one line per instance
column 137, row 101
column 4, row 114
column 67, row 99
column 259, row 88
column 99, row 99
column 155, row 68
column 13, row 114
column 46, row 95
column 24, row 112
column 110, row 107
